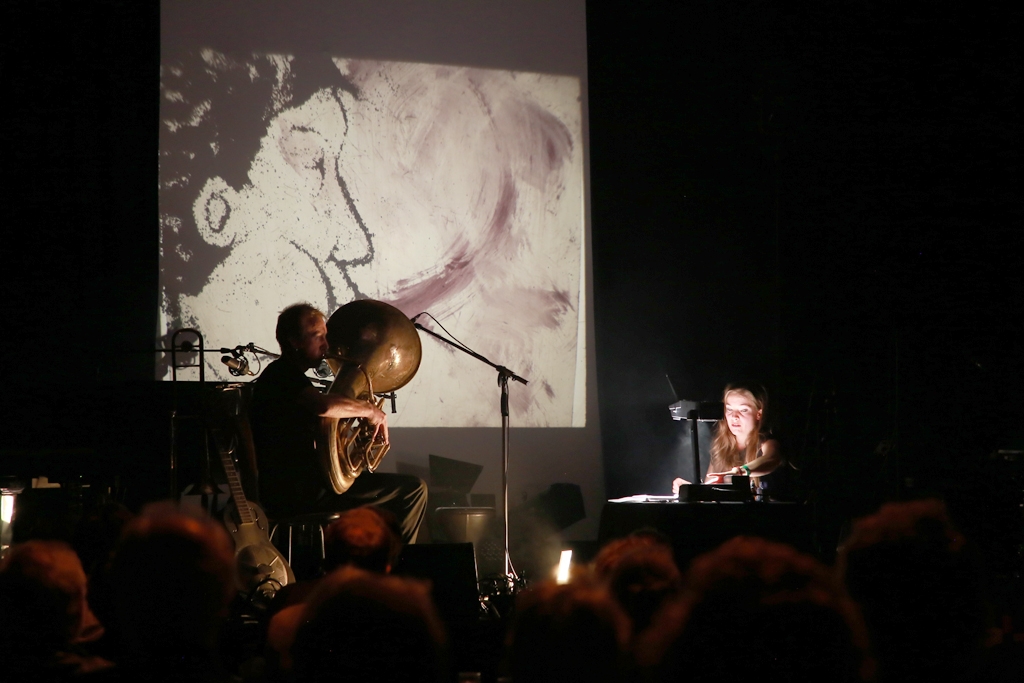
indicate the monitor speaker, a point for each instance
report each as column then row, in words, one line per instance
column 451, row 569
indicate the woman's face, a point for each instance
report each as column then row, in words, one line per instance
column 295, row 192
column 742, row 415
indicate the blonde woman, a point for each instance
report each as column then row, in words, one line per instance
column 741, row 447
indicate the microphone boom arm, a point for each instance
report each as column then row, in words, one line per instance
column 503, row 372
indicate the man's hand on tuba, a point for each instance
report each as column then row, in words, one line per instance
column 379, row 419
column 342, row 407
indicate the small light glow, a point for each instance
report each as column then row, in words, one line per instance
column 563, row 567
column 6, row 509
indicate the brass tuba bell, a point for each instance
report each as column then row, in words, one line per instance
column 374, row 349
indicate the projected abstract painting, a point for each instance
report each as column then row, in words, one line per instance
column 451, row 190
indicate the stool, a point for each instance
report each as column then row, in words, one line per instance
column 303, row 522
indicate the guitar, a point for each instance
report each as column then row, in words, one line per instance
column 260, row 565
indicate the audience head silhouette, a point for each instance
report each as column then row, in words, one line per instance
column 641, row 574
column 174, row 574
column 570, row 632
column 44, row 609
column 359, row 626
column 365, row 538
column 754, row 609
column 919, row 589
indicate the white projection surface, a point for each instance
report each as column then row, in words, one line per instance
column 428, row 154
column 452, row 190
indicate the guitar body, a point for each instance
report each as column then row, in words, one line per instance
column 256, row 558
column 260, row 566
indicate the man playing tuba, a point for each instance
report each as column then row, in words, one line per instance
column 286, row 415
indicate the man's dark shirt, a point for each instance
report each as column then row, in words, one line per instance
column 284, row 434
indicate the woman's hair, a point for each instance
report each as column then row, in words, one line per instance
column 724, row 453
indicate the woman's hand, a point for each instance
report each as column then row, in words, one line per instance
column 676, row 483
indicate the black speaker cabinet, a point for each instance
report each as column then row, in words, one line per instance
column 451, row 569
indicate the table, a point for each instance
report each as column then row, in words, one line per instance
column 695, row 528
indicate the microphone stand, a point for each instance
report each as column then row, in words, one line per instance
column 252, row 348
column 238, row 354
column 504, row 375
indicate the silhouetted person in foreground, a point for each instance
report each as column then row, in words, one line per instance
column 45, row 619
column 643, row 582
column 613, row 551
column 173, row 576
column 365, row 538
column 94, row 540
column 641, row 575
column 759, row 611
column 919, row 590
column 361, row 627
column 571, row 632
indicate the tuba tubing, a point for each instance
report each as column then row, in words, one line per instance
column 371, row 343
column 350, row 446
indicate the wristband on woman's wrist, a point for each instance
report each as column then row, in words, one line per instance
column 746, row 470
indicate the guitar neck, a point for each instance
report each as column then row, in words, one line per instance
column 245, row 515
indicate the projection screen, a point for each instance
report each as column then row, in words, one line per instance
column 452, row 190
column 432, row 155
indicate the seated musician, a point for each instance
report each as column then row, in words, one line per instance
column 741, row 447
column 285, row 416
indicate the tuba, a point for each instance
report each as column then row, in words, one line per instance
column 374, row 349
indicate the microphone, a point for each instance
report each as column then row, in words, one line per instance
column 236, row 366
column 413, row 319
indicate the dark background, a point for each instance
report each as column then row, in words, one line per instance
column 825, row 199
